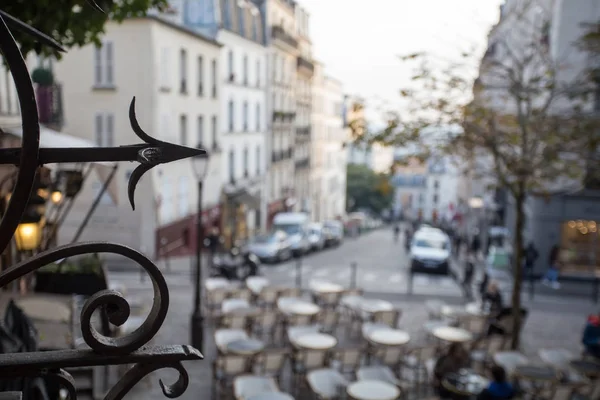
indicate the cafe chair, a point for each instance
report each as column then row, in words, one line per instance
column 347, row 360
column 294, row 332
column 267, row 298
column 214, row 299
column 243, row 294
column 474, row 324
column 327, row 300
column 434, row 309
column 482, row 351
column 384, row 374
column 265, row 325
column 414, row 365
column 271, row 362
column 290, row 292
column 246, row 386
column 329, row 320
column 225, row 336
column 233, row 321
column 381, row 320
column 225, row 369
column 305, row 361
column 327, row 384
column 391, row 356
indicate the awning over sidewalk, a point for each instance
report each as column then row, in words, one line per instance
column 243, row 196
column 50, row 138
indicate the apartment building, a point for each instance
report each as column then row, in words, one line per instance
column 283, row 60
column 328, row 172
column 302, row 147
column 177, row 100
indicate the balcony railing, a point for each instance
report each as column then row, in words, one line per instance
column 303, row 163
column 283, row 116
column 50, row 105
column 306, row 64
column 305, row 131
column 277, row 32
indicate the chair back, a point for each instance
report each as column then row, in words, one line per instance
column 328, row 299
column 290, row 292
column 387, row 317
column 301, row 320
column 312, row 359
column 265, row 320
column 268, row 296
column 329, row 319
column 243, row 293
column 271, row 362
column 231, row 365
column 389, row 355
column 234, row 321
column 232, row 304
column 216, row 296
column 353, row 292
column 349, row 358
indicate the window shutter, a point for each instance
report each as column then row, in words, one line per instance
column 109, row 63
column 98, row 131
column 109, row 137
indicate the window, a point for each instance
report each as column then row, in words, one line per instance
column 183, row 130
column 254, row 29
column 200, row 76
column 245, row 65
column 245, row 116
column 165, row 74
column 103, row 65
column 104, row 130
column 231, row 166
column 167, row 202
column 275, row 65
column 258, row 160
column 213, row 77
column 201, row 129
column 226, row 14
column 245, row 161
column 183, row 200
column 183, row 71
column 435, row 199
column 230, row 66
column 213, row 128
column 241, row 17
column 436, row 184
column 258, row 73
column 258, row 118
column 230, row 115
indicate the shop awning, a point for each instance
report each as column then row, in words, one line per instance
column 243, row 196
column 50, row 138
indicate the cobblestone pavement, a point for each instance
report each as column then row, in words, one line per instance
column 552, row 321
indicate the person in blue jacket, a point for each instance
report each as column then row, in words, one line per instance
column 591, row 336
column 499, row 388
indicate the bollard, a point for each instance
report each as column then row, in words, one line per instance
column 353, row 273
column 299, row 271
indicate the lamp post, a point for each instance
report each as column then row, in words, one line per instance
column 200, row 168
column 28, row 234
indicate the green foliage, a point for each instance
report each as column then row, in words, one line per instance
column 88, row 264
column 72, row 22
column 366, row 189
column 42, row 77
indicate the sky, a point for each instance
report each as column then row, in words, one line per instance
column 359, row 42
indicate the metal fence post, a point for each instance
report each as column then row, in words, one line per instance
column 353, row 273
column 299, row 271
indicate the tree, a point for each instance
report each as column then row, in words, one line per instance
column 366, row 189
column 71, row 22
column 525, row 122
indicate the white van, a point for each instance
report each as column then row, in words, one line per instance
column 295, row 225
column 430, row 251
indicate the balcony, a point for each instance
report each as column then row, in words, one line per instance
column 304, row 63
column 305, row 131
column 283, row 116
column 303, row 163
column 278, row 33
column 287, row 154
column 50, row 105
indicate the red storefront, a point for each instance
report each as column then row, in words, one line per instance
column 274, row 208
column 178, row 238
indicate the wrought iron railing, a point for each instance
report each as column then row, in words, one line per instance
column 103, row 350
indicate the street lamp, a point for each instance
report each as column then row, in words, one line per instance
column 200, row 168
column 28, row 234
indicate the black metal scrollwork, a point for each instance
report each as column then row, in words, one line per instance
column 129, row 349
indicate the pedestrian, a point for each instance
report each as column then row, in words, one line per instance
column 468, row 280
column 457, row 244
column 475, row 245
column 396, row 232
column 499, row 388
column 591, row 336
column 531, row 256
column 213, row 243
column 552, row 273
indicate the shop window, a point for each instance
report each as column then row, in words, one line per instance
column 580, row 246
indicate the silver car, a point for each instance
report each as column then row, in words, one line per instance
column 273, row 247
column 316, row 237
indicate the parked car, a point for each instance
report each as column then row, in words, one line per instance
column 334, row 233
column 295, row 225
column 273, row 247
column 316, row 236
column 430, row 252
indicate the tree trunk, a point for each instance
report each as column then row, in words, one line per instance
column 517, row 269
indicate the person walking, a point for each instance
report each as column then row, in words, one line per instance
column 531, row 256
column 396, row 233
column 475, row 245
column 551, row 277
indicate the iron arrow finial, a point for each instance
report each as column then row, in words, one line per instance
column 158, row 152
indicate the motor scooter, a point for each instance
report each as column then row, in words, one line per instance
column 237, row 264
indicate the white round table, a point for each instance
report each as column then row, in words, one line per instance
column 452, row 334
column 372, row 390
column 302, row 308
column 474, row 309
column 389, row 337
column 316, row 341
column 326, row 287
column 372, row 305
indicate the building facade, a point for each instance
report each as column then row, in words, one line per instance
column 177, row 100
column 283, row 61
column 329, row 157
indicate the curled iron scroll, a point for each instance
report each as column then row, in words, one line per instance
column 139, row 371
column 115, row 304
column 30, row 143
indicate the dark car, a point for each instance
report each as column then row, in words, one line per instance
column 334, row 233
column 273, row 247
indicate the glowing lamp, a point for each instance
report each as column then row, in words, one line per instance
column 28, row 236
column 56, row 196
